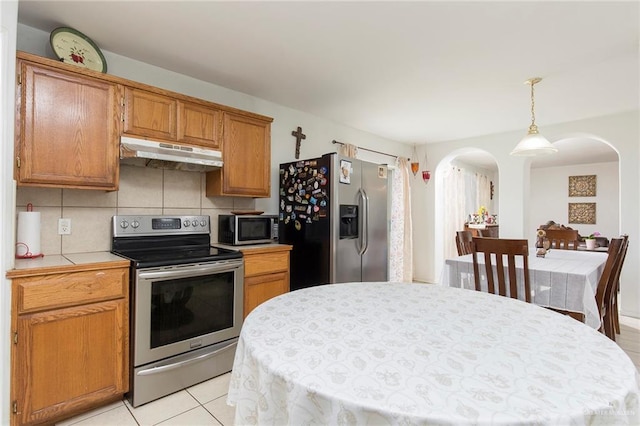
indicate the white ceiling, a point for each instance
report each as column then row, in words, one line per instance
column 414, row 72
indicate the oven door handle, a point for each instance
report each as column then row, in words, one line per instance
column 188, row 272
column 163, row 368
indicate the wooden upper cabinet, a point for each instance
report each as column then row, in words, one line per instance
column 67, row 129
column 153, row 115
column 199, row 125
column 69, row 122
column 149, row 114
column 247, row 158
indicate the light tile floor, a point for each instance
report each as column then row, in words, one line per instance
column 202, row 404
column 205, row 403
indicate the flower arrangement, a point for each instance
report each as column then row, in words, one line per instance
column 593, row 236
column 482, row 210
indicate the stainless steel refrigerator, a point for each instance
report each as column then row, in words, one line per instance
column 333, row 211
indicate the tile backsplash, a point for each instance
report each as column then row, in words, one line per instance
column 142, row 191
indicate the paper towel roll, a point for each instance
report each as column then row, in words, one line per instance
column 28, row 238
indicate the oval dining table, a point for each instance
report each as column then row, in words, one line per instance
column 383, row 353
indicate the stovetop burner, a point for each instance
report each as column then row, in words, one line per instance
column 152, row 241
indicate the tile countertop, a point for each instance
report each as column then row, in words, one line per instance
column 61, row 261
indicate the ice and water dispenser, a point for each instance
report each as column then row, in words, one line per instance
column 348, row 221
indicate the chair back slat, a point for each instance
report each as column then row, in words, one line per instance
column 488, row 232
column 611, row 290
column 463, row 242
column 608, row 276
column 563, row 239
column 495, row 252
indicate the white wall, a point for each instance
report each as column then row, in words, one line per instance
column 549, row 198
column 621, row 131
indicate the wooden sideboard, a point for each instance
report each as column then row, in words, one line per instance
column 495, row 230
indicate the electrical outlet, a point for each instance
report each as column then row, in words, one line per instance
column 64, row 226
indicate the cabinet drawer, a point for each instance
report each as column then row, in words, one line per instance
column 68, row 289
column 266, row 263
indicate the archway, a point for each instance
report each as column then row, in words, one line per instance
column 470, row 161
column 579, row 156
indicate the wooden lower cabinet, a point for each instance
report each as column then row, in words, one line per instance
column 266, row 274
column 70, row 349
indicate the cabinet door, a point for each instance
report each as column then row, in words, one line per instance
column 266, row 275
column 68, row 130
column 247, row 159
column 261, row 288
column 199, row 125
column 149, row 114
column 67, row 360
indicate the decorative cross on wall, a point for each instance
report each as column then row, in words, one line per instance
column 299, row 136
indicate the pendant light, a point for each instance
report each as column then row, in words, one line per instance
column 533, row 143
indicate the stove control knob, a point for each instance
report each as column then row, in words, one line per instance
column 203, row 223
column 195, row 222
column 186, row 223
column 124, row 224
column 135, row 224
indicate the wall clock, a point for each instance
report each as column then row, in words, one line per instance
column 73, row 47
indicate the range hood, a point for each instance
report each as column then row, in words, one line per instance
column 166, row 155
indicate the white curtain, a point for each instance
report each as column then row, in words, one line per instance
column 483, row 192
column 455, row 213
column 400, row 232
column 349, row 150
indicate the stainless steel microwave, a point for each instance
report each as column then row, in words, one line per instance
column 247, row 229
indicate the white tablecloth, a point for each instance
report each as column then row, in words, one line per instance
column 399, row 353
column 564, row 279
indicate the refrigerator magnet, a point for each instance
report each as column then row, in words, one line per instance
column 382, row 172
column 345, row 171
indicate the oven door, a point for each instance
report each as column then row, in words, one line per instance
column 181, row 308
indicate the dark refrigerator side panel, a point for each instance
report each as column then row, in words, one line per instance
column 304, row 221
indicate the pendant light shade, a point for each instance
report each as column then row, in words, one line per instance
column 533, row 143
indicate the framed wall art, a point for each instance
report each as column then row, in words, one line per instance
column 582, row 186
column 582, row 213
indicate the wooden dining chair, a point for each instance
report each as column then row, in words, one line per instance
column 607, row 280
column 611, row 320
column 488, row 232
column 464, row 239
column 563, row 239
column 495, row 252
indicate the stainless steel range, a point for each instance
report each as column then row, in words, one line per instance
column 186, row 302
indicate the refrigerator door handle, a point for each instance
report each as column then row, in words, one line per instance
column 364, row 234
